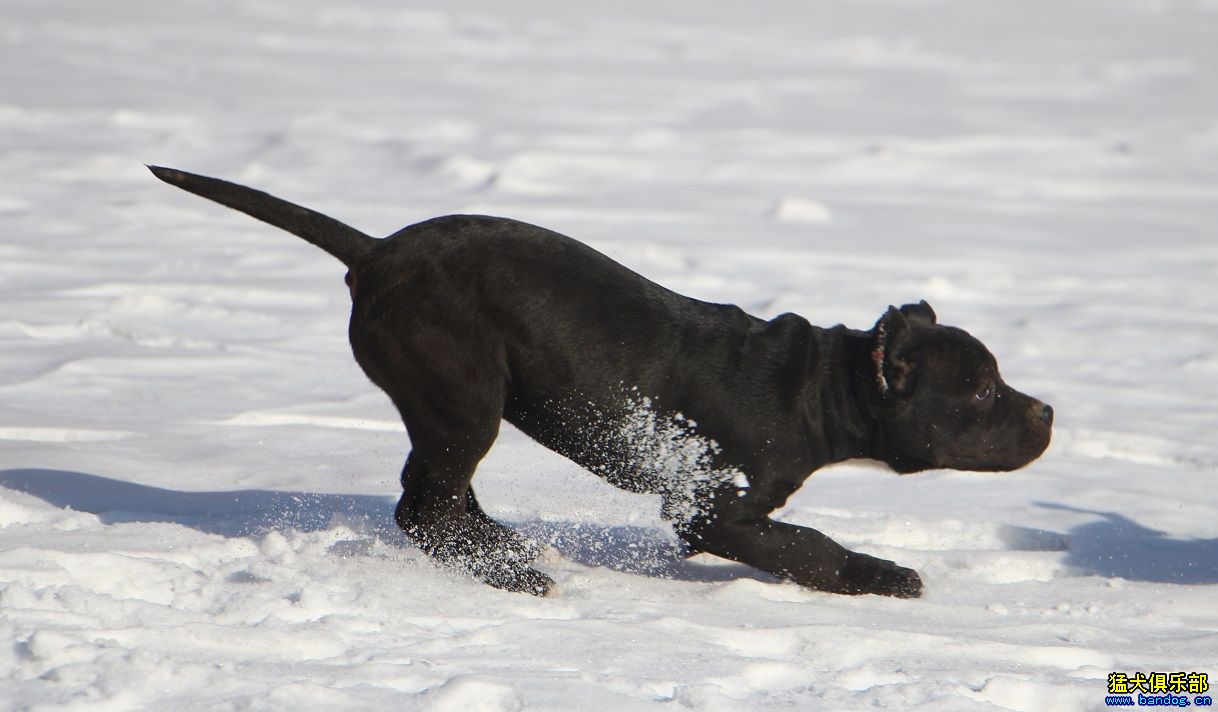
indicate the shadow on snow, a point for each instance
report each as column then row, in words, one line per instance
column 254, row 513
column 1116, row 546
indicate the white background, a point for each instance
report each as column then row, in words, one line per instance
column 196, row 480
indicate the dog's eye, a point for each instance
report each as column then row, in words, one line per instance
column 986, row 391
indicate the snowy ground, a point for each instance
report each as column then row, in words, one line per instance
column 196, row 480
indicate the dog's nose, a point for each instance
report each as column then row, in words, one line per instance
column 1046, row 414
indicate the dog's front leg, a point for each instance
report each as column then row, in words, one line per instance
column 798, row 554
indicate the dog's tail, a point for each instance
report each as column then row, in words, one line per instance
column 343, row 241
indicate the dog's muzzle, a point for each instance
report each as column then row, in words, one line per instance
column 1043, row 412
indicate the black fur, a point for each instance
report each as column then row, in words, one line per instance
column 466, row 320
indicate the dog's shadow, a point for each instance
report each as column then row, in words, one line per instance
column 232, row 513
column 1116, row 546
column 254, row 513
column 1113, row 546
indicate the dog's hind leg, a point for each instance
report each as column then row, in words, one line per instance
column 439, row 513
column 447, row 378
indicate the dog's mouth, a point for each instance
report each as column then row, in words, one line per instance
column 1018, row 458
column 982, row 457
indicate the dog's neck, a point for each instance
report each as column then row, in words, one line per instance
column 845, row 381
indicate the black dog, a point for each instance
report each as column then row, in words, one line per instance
column 466, row 320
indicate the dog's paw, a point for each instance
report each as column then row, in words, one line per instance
column 867, row 574
column 523, row 580
column 539, row 584
column 900, row 583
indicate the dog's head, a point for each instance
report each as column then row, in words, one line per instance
column 941, row 403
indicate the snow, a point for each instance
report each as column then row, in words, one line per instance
column 197, row 482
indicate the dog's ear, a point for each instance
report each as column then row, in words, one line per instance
column 892, row 354
column 920, row 313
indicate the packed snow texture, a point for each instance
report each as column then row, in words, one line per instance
column 196, row 480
